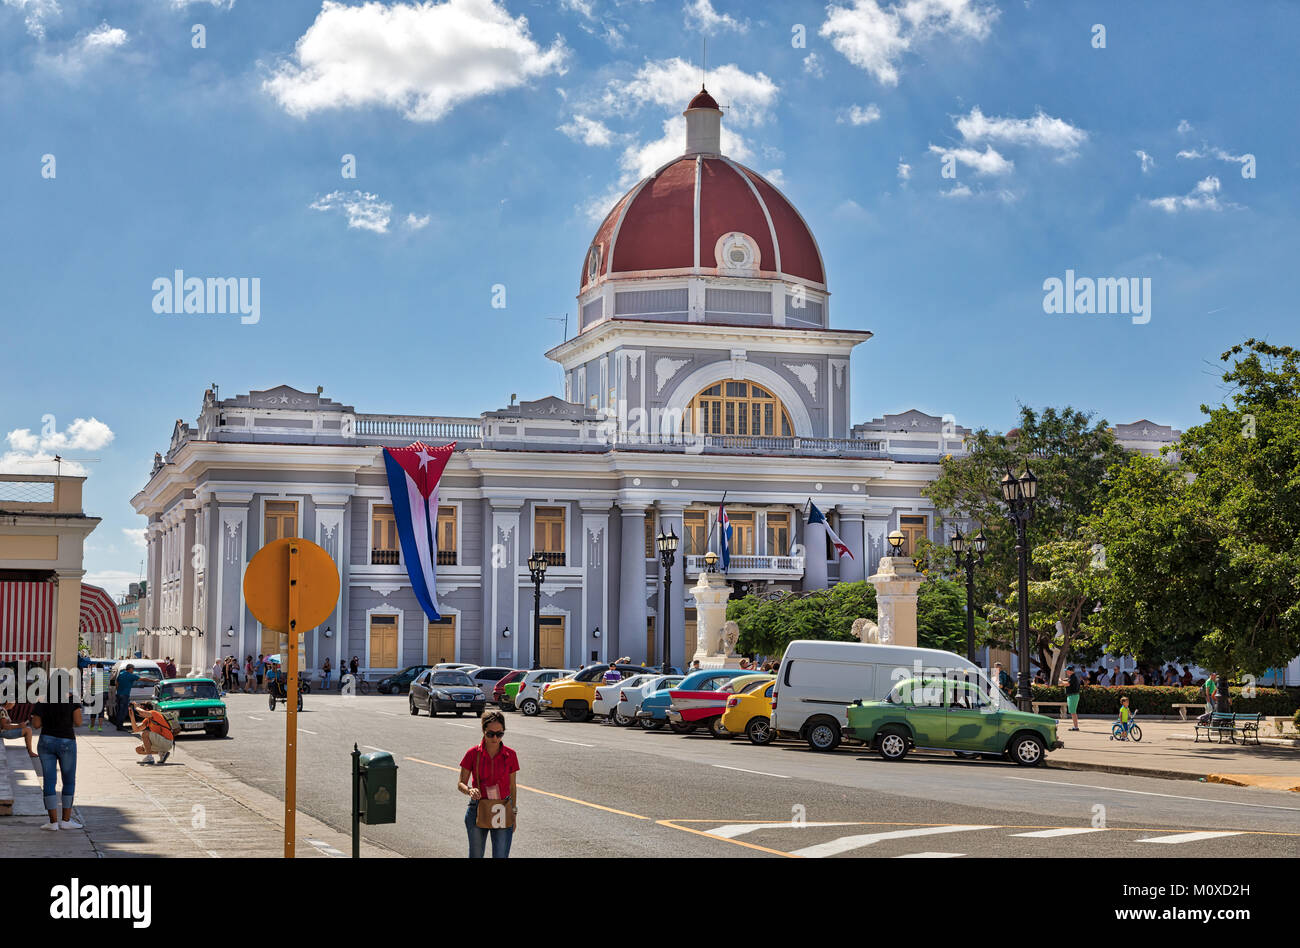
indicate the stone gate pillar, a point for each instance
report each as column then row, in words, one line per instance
column 897, row 582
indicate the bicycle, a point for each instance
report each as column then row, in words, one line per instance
column 1134, row 733
column 359, row 685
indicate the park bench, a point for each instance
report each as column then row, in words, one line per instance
column 1059, row 705
column 1184, row 708
column 1224, row 722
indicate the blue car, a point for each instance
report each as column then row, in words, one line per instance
column 653, row 712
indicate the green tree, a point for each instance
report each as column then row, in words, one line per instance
column 941, row 616
column 1203, row 558
column 767, row 625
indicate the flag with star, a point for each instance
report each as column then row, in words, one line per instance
column 413, row 475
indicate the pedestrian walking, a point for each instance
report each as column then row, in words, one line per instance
column 260, row 670
column 355, row 666
column 1073, row 686
column 126, row 679
column 11, row 730
column 325, row 675
column 250, row 673
column 492, row 766
column 156, row 736
column 57, row 749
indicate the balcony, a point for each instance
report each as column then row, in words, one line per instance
column 385, row 557
column 752, row 444
column 755, row 566
column 553, row 559
column 418, row 426
column 446, row 557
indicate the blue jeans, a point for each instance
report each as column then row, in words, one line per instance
column 325, row 682
column 121, row 707
column 58, row 754
column 501, row 839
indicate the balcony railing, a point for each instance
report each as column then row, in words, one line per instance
column 412, row 426
column 446, row 557
column 553, row 559
column 770, row 565
column 765, row 444
column 385, row 557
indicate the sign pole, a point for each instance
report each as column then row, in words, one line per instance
column 291, row 707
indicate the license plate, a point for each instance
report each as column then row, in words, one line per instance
column 192, row 725
column 462, row 704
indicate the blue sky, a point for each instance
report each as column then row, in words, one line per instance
column 489, row 137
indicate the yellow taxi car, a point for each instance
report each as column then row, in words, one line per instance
column 572, row 697
column 750, row 711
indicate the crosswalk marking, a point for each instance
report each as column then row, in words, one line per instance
column 930, row 856
column 732, row 830
column 846, row 843
column 1063, row 831
column 1185, row 837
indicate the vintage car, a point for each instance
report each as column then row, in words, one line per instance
column 630, row 699
column 749, row 711
column 498, row 695
column 951, row 714
column 192, row 704
column 606, row 701
column 702, row 685
column 572, row 697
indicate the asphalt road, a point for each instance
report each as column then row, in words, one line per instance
column 595, row 789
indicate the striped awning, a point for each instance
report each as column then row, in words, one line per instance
column 99, row 614
column 27, row 621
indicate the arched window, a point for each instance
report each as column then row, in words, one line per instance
column 738, row 408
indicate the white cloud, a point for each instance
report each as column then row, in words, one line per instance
column 956, row 191
column 776, row 176
column 851, row 210
column 875, row 38
column 34, row 454
column 134, row 536
column 1191, row 153
column 1147, row 161
column 588, row 131
column 35, row 13
column 1206, row 151
column 584, row 7
column 86, row 50
column 812, row 65
column 115, row 582
column 1042, row 131
column 904, row 171
column 364, row 211
column 418, row 223
column 219, row 4
column 421, row 59
column 701, row 16
column 1203, row 197
column 747, row 97
column 1184, row 126
column 984, row 162
column 857, row 115
column 103, row 37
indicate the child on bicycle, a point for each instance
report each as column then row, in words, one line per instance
column 1125, row 718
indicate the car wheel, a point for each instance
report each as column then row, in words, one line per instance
column 270, row 699
column 414, row 709
column 1027, row 750
column 529, row 708
column 221, row 730
column 823, row 734
column 576, row 711
column 622, row 720
column 650, row 724
column 300, row 701
column 893, row 744
column 716, row 729
column 759, row 731
column 681, row 727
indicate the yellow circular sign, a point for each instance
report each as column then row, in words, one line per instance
column 267, row 584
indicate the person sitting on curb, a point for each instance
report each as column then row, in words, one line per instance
column 156, row 736
column 11, row 730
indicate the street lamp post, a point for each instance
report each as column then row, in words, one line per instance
column 970, row 552
column 1020, row 494
column 537, row 569
column 667, row 543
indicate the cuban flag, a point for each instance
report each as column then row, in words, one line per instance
column 724, row 536
column 413, row 474
column 841, row 548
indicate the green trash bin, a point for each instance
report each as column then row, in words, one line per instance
column 378, row 788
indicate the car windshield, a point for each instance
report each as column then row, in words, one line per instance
column 451, row 678
column 188, row 691
column 970, row 690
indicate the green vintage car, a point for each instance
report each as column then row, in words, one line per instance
column 951, row 714
column 508, row 695
column 192, row 704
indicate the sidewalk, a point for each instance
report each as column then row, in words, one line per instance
column 1167, row 750
column 186, row 807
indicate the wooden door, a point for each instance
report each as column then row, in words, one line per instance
column 650, row 637
column 552, row 641
column 442, row 641
column 383, row 641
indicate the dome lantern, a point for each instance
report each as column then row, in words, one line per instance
column 703, row 125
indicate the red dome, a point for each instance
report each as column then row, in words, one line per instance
column 703, row 100
column 654, row 226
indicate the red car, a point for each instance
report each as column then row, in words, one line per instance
column 499, row 692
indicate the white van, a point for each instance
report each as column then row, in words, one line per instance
column 817, row 681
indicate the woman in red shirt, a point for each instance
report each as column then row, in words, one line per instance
column 487, row 772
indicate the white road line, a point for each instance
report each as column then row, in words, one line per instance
column 389, row 713
column 929, row 855
column 1185, row 837
column 326, row 848
column 846, row 843
column 1148, row 793
column 305, row 731
column 252, row 717
column 373, row 748
column 732, row 830
column 1063, row 831
column 554, row 740
column 454, row 724
column 761, row 773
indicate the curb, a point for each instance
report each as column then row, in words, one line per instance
column 1265, row 781
column 1125, row 771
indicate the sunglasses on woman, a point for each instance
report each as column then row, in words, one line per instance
column 496, row 734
